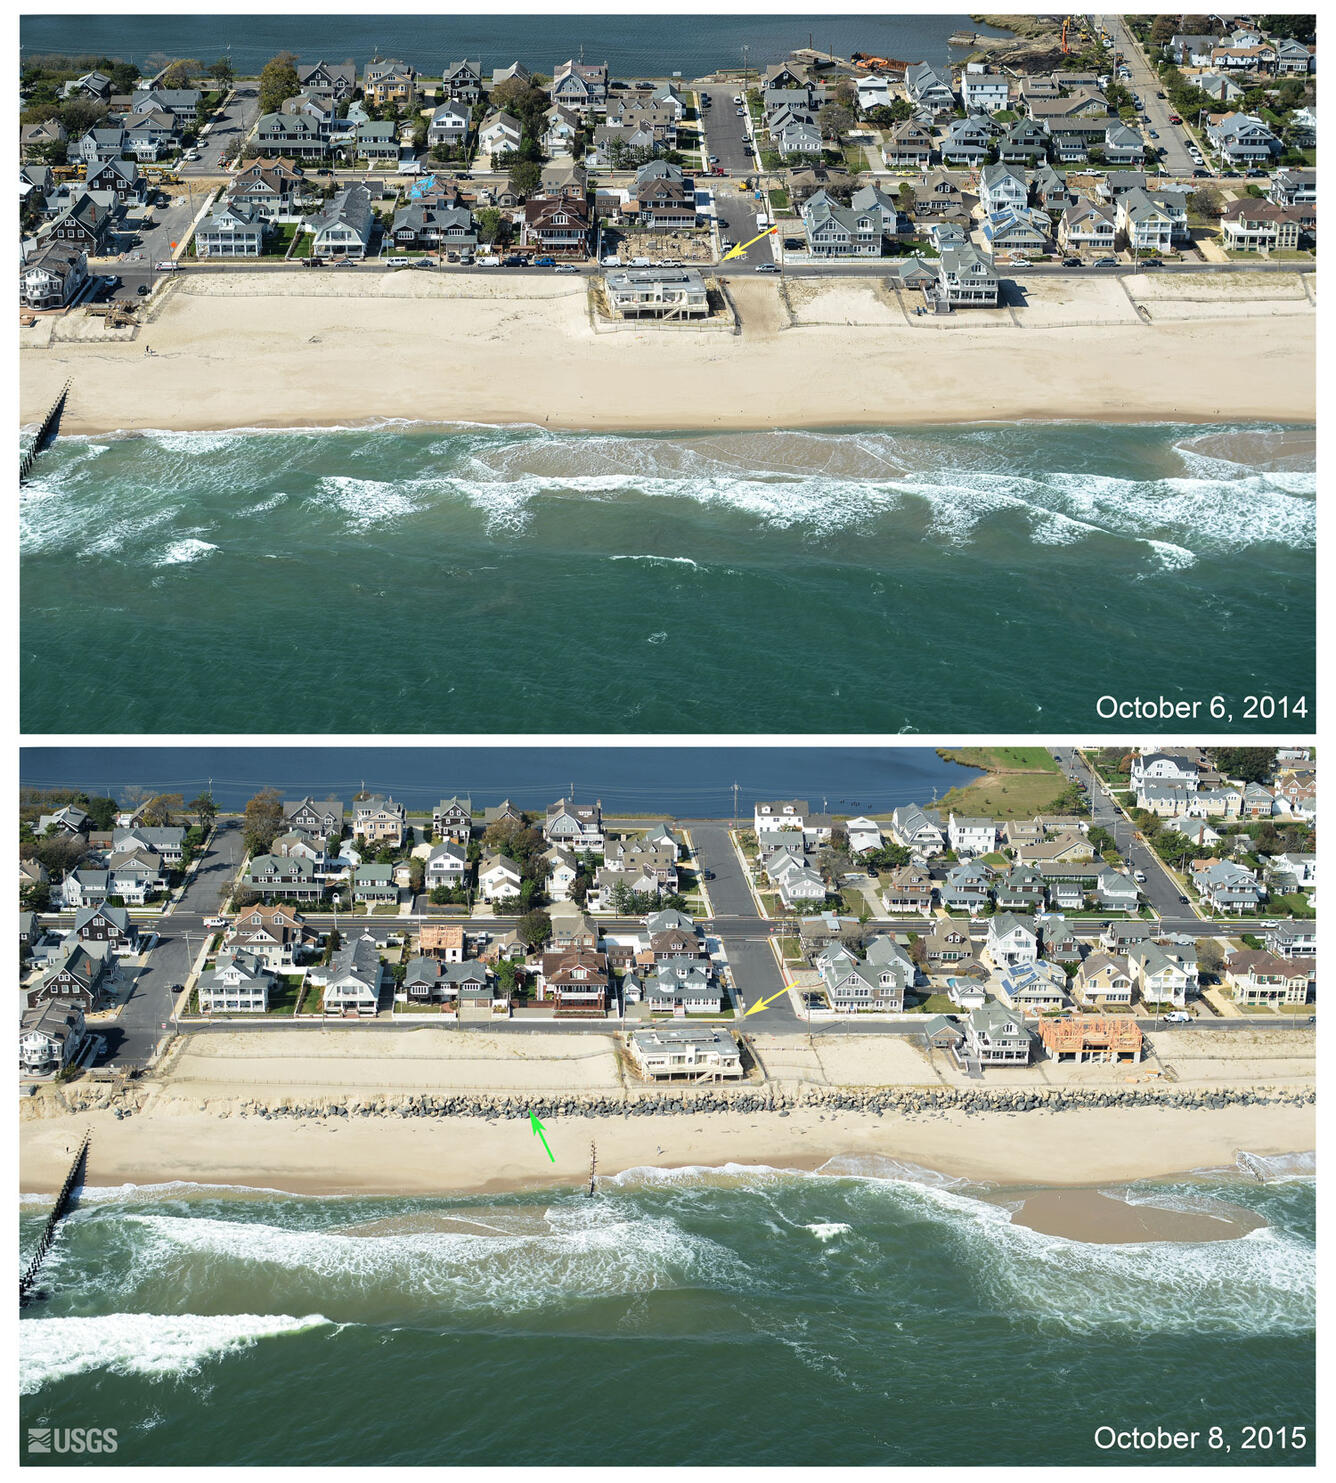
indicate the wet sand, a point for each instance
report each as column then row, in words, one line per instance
column 1103, row 1219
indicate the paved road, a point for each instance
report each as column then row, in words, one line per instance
column 230, row 126
column 726, row 136
column 147, row 1013
column 1173, row 139
column 1159, row 887
column 745, row 935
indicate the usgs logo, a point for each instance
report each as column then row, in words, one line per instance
column 72, row 1439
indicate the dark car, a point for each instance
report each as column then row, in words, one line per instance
column 1182, row 900
column 1153, row 262
column 1256, row 174
column 1231, row 175
column 1201, row 175
column 1071, row 262
column 143, row 289
column 707, row 875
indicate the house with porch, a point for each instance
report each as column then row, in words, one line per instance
column 352, row 979
column 1104, row 980
column 343, row 228
column 700, row 1052
column 50, row 1037
column 994, row 1035
column 239, row 983
column 965, row 278
column 1011, row 940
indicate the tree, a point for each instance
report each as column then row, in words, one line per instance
column 834, row 121
column 221, row 72
column 159, row 809
column 182, row 72
column 204, row 809
column 534, row 928
column 905, row 198
column 1210, row 958
column 1248, row 764
column 1163, row 27
column 278, row 81
column 263, row 821
column 525, row 176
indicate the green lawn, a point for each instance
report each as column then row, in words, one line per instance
column 304, row 245
column 779, row 198
column 999, row 759
column 791, row 947
column 933, row 1004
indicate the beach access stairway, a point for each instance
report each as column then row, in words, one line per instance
column 28, row 1282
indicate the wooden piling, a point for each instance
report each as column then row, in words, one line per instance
column 44, row 433
column 29, row 1279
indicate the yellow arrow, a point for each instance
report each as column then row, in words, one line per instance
column 762, row 1004
column 738, row 251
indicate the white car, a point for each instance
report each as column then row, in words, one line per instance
column 1178, row 1017
column 215, row 921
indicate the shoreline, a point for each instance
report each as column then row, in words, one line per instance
column 84, row 429
column 445, row 1156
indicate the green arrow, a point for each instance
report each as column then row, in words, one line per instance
column 538, row 1128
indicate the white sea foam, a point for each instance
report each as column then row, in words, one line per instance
column 827, row 1230
column 659, row 560
column 882, row 1168
column 157, row 1345
column 589, row 1250
column 365, row 502
column 1263, row 1281
column 191, row 548
column 1279, row 1167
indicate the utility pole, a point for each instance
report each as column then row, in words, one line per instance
column 735, row 805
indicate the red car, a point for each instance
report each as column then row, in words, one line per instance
column 1174, row 119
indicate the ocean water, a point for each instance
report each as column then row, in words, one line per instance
column 654, row 45
column 869, row 1313
column 410, row 578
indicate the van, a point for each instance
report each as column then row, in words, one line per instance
column 489, row 262
column 641, row 262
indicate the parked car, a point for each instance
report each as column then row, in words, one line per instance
column 1201, row 174
column 1071, row 262
column 766, row 268
column 1256, row 174
column 545, row 262
column 1106, row 262
column 567, row 268
column 1153, row 262
column 143, row 290
column 1154, row 133
column 1178, row 1017
column 714, row 159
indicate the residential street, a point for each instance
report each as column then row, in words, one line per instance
column 1145, row 83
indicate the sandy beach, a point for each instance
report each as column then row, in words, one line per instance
column 198, row 1115
column 321, row 348
column 456, row 1156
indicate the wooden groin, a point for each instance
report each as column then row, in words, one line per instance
column 28, row 1282
column 44, row 433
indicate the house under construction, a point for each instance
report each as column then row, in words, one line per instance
column 1092, row 1038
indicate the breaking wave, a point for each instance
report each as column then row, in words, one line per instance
column 156, row 1345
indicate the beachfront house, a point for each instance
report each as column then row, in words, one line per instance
column 231, row 231
column 343, row 228
column 239, row 983
column 49, row 1038
column 698, row 1051
column 994, row 1035
column 352, row 979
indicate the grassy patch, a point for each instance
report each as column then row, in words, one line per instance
column 779, row 198
column 791, row 947
column 1005, row 795
column 998, row 759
